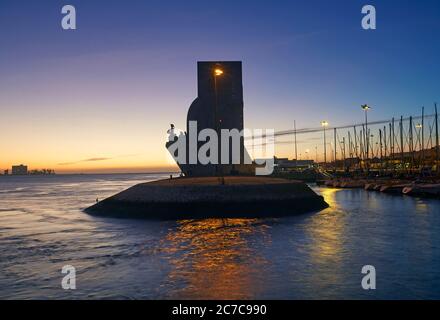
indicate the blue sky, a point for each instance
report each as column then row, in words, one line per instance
column 130, row 67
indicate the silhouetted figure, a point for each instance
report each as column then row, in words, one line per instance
column 171, row 134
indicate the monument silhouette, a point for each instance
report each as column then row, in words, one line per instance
column 200, row 194
column 219, row 105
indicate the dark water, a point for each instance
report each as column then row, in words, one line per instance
column 316, row 255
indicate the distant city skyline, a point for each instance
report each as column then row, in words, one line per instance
column 100, row 98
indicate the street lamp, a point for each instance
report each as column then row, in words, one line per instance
column 324, row 124
column 419, row 126
column 217, row 73
column 367, row 142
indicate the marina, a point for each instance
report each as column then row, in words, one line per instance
column 403, row 187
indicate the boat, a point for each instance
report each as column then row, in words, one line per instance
column 427, row 190
column 369, row 186
column 393, row 188
column 377, row 187
column 351, row 184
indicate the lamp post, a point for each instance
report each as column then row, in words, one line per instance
column 324, row 124
column 419, row 128
column 367, row 138
column 367, row 143
column 217, row 73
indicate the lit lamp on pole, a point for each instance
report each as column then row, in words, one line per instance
column 324, row 124
column 366, row 107
column 419, row 128
column 217, row 73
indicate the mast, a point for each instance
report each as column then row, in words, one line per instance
column 401, row 140
column 423, row 136
column 334, row 132
column 380, row 144
column 343, row 152
column 350, row 147
column 355, row 142
column 393, row 137
column 411, row 141
column 436, row 138
column 385, row 145
column 296, row 146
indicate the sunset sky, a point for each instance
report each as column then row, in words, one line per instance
column 100, row 98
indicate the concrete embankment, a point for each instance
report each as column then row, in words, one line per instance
column 229, row 197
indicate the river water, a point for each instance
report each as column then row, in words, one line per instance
column 310, row 256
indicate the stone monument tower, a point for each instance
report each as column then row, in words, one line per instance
column 219, row 105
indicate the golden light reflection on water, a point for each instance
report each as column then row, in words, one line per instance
column 213, row 260
column 326, row 231
column 422, row 206
column 329, row 196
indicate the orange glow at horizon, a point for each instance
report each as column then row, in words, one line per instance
column 73, row 142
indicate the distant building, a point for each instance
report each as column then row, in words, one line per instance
column 6, row 172
column 19, row 170
column 41, row 172
column 286, row 164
